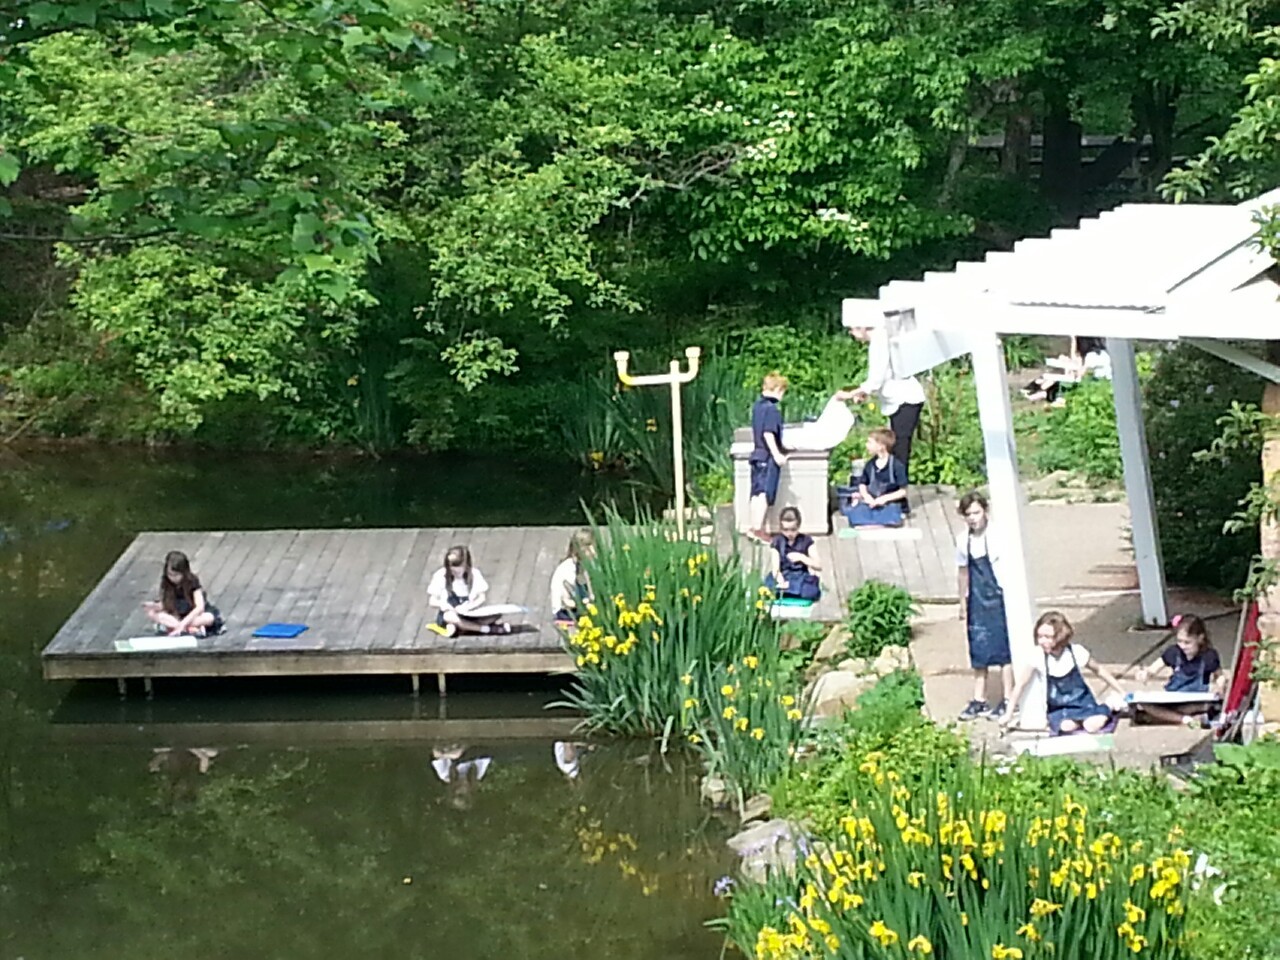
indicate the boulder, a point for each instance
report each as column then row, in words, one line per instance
column 765, row 848
column 757, row 808
column 715, row 790
column 836, row 692
column 835, row 645
column 892, row 659
column 855, row 665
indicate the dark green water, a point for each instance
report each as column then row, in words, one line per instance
column 320, row 828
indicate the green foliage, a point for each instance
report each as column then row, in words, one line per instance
column 1080, row 435
column 665, row 608
column 879, row 617
column 948, row 442
column 1196, row 497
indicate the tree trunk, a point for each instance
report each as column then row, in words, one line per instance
column 1269, row 603
column 1060, row 169
column 1015, row 158
column 1155, row 109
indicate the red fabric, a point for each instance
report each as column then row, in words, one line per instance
column 1242, row 679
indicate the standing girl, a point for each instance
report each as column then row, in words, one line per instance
column 1194, row 667
column 456, row 589
column 793, row 560
column 183, row 607
column 570, row 585
column 882, row 488
column 1072, row 705
column 982, row 608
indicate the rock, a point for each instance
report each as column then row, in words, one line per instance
column 715, row 790
column 757, row 808
column 765, row 848
column 836, row 692
column 855, row 665
column 835, row 645
column 892, row 659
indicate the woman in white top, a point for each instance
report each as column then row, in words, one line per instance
column 570, row 585
column 1071, row 704
column 901, row 400
column 456, row 589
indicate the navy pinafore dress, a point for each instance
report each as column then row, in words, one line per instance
column 802, row 583
column 986, row 625
column 1070, row 697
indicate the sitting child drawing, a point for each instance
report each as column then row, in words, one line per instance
column 793, row 560
column 882, row 487
column 183, row 607
column 457, row 589
column 1194, row 667
column 570, row 585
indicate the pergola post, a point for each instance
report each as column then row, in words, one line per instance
column 1132, row 430
column 995, row 413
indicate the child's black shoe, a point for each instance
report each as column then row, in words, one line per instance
column 975, row 709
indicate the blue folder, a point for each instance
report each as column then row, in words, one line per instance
column 282, row 631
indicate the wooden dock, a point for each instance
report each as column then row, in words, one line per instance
column 362, row 594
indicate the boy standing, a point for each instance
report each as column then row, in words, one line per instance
column 766, row 457
column 982, row 607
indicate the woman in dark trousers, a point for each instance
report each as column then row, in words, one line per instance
column 900, row 400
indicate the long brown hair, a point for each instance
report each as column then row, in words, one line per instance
column 1062, row 629
column 457, row 555
column 176, row 561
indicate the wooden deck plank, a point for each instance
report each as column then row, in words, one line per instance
column 306, row 580
column 338, row 590
column 546, row 556
column 238, row 570
column 264, row 605
column 942, row 576
column 68, row 637
column 366, row 620
column 524, row 587
column 260, row 571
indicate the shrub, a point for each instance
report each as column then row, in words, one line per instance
column 879, row 617
column 947, row 447
column 1187, row 394
column 1080, row 436
column 665, row 608
column 943, row 865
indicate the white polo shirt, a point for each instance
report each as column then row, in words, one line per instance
column 892, row 392
column 979, row 545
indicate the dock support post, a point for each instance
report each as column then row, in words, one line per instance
column 146, row 686
column 417, row 688
column 123, row 687
column 441, row 685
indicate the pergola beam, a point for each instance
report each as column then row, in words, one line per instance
column 1234, row 355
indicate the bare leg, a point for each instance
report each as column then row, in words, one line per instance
column 1069, row 726
column 759, row 509
column 1157, row 714
column 1095, row 723
column 481, row 625
column 980, row 684
column 1006, row 681
column 166, row 620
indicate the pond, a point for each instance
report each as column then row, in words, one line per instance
column 317, row 819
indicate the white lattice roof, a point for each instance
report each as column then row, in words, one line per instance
column 1143, row 271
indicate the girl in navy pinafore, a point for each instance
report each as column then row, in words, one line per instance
column 793, row 560
column 1194, row 667
column 1072, row 707
column 982, row 608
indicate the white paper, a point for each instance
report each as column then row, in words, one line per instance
column 1063, row 746
column 831, row 427
column 155, row 644
column 1171, row 696
column 492, row 610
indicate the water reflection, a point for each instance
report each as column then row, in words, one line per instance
column 283, row 820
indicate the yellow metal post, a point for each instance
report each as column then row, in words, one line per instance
column 676, row 379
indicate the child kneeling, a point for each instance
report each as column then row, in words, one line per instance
column 793, row 560
column 882, row 487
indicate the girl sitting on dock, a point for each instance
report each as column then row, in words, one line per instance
column 570, row 585
column 1194, row 667
column 882, row 487
column 793, row 560
column 183, row 607
column 457, row 589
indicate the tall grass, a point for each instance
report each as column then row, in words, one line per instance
column 665, row 609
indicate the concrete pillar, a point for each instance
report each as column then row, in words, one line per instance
column 1132, row 430
column 1007, row 517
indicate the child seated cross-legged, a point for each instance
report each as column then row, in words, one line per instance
column 1194, row 667
column 1072, row 707
column 457, row 589
column 882, row 487
column 793, row 560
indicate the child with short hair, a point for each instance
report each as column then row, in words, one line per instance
column 766, row 458
column 570, row 585
column 1194, row 667
column 982, row 608
column 183, row 608
column 793, row 561
column 882, row 487
column 457, row 588
column 1072, row 706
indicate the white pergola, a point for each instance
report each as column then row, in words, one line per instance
column 1140, row 272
